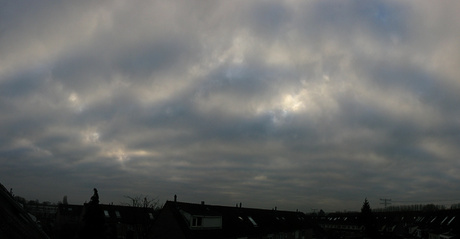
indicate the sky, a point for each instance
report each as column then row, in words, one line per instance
column 294, row 104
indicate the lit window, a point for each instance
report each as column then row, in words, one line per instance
column 106, row 213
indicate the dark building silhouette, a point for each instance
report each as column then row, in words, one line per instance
column 94, row 220
column 15, row 222
column 442, row 224
column 187, row 220
column 117, row 222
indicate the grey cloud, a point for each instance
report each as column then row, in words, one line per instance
column 146, row 60
column 311, row 104
column 269, row 19
column 381, row 19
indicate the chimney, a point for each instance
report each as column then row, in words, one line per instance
column 275, row 208
column 241, row 205
column 202, row 202
column 175, row 198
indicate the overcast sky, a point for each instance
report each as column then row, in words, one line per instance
column 295, row 104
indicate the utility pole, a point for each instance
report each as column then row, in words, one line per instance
column 385, row 201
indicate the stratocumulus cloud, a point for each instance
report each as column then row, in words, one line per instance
column 295, row 104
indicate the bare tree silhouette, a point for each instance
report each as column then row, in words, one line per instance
column 142, row 201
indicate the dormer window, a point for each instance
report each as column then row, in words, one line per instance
column 197, row 222
column 252, row 221
column 205, row 222
column 444, row 219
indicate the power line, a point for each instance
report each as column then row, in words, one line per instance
column 426, row 201
column 385, row 201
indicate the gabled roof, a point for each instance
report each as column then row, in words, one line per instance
column 236, row 221
column 15, row 222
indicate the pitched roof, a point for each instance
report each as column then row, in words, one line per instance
column 15, row 222
column 235, row 221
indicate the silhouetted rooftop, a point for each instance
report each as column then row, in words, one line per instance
column 15, row 222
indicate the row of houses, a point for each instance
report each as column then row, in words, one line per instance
column 440, row 224
column 175, row 220
column 200, row 220
column 182, row 220
column 116, row 221
column 187, row 220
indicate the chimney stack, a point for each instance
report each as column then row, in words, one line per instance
column 241, row 205
column 202, row 202
column 175, row 198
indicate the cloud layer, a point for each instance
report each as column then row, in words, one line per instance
column 295, row 104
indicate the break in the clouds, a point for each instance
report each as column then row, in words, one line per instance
column 294, row 104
